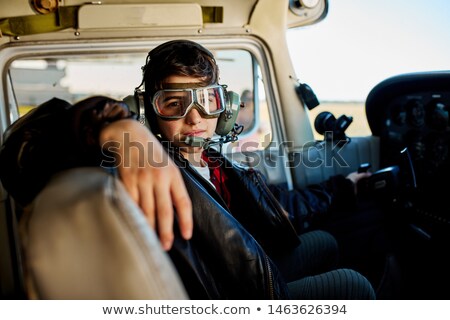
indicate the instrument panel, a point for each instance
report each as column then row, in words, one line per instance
column 412, row 111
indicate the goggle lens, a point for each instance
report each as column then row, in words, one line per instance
column 176, row 103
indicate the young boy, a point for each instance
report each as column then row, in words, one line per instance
column 239, row 227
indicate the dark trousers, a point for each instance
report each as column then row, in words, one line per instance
column 311, row 271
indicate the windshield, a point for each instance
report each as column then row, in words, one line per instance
column 361, row 43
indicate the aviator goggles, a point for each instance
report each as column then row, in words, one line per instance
column 176, row 103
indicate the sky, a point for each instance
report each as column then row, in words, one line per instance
column 357, row 45
column 362, row 42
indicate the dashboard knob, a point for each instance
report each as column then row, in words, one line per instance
column 415, row 112
column 437, row 115
column 399, row 116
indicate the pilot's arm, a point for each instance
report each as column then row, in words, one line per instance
column 57, row 136
column 151, row 178
column 149, row 175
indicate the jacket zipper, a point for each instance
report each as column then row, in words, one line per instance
column 270, row 280
column 269, row 194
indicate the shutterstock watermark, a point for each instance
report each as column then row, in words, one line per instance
column 313, row 154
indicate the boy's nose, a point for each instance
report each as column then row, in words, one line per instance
column 193, row 116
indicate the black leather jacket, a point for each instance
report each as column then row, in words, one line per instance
column 312, row 207
column 240, row 267
column 222, row 260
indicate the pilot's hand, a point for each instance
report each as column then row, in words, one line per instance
column 355, row 177
column 150, row 177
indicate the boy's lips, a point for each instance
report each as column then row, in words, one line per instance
column 194, row 133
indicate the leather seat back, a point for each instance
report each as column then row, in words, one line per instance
column 84, row 238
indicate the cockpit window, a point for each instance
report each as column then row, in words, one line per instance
column 361, row 43
column 78, row 76
column 73, row 78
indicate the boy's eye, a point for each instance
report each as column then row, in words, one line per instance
column 173, row 103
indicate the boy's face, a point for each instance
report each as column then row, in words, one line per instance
column 194, row 124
